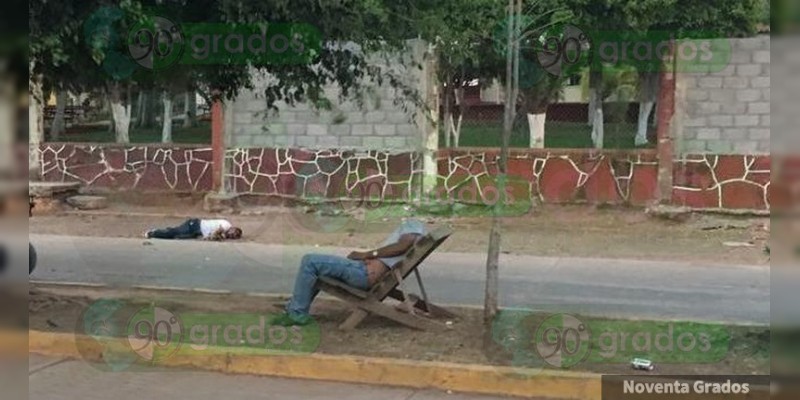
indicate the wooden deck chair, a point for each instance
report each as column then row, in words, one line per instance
column 416, row 312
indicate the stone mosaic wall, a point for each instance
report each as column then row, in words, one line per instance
column 560, row 176
column 146, row 168
column 321, row 173
column 466, row 175
column 722, row 181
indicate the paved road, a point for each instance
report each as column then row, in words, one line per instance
column 54, row 379
column 598, row 286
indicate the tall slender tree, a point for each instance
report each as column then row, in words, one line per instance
column 491, row 302
column 458, row 29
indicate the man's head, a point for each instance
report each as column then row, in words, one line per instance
column 233, row 233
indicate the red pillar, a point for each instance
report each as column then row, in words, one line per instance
column 664, row 141
column 217, row 144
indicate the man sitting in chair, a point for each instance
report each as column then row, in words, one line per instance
column 361, row 269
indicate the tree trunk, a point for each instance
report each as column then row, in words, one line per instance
column 448, row 113
column 111, row 123
column 140, row 100
column 596, row 98
column 536, row 125
column 149, row 110
column 121, row 111
column 462, row 108
column 35, row 126
column 59, row 126
column 648, row 91
column 457, row 130
column 166, row 128
column 491, row 303
column 189, row 110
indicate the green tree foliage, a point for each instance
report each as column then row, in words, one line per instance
column 79, row 44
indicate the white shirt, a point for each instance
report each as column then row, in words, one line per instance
column 412, row 226
column 209, row 226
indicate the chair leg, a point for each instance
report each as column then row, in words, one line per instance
column 353, row 320
column 401, row 285
column 422, row 289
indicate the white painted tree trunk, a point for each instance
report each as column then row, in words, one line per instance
column 121, row 111
column 448, row 129
column 448, row 116
column 592, row 106
column 166, row 129
column 35, row 125
column 139, row 107
column 536, row 127
column 456, row 126
column 596, row 99
column 597, row 127
column 648, row 91
column 145, row 112
column 59, row 125
column 122, row 121
column 111, row 123
column 645, row 108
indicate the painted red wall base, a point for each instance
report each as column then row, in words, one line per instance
column 722, row 181
column 560, row 176
column 468, row 175
column 145, row 168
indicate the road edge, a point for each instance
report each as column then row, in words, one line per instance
column 467, row 378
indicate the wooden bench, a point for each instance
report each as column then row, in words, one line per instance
column 415, row 311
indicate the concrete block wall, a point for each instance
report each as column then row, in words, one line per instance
column 384, row 120
column 728, row 112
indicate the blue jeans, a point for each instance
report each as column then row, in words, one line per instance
column 313, row 266
column 190, row 229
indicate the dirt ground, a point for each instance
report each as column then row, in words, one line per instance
column 61, row 309
column 558, row 231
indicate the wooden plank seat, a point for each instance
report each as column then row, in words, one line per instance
column 415, row 311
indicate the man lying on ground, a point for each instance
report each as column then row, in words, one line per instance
column 361, row 269
column 208, row 229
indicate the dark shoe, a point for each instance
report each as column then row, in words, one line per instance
column 290, row 320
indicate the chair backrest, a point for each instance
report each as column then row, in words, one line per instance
column 413, row 258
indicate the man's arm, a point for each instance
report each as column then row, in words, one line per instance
column 392, row 250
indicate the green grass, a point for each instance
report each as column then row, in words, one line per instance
column 200, row 134
column 526, row 334
column 564, row 135
column 558, row 135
